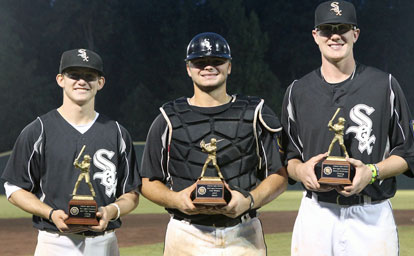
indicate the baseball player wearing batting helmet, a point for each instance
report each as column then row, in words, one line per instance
column 40, row 174
column 244, row 131
column 354, row 219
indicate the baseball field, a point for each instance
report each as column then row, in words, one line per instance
column 143, row 231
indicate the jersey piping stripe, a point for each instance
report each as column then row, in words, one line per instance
column 258, row 108
column 392, row 95
column 169, row 142
column 163, row 149
column 36, row 148
column 122, row 149
column 265, row 158
column 291, row 117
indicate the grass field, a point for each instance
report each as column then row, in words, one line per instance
column 278, row 244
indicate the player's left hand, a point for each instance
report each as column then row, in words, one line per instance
column 362, row 178
column 103, row 218
column 237, row 205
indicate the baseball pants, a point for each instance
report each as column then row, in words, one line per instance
column 183, row 238
column 326, row 229
column 57, row 244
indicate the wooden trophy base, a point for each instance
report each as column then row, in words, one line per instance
column 82, row 211
column 335, row 171
column 209, row 191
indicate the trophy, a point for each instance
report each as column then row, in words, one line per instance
column 336, row 170
column 83, row 208
column 210, row 190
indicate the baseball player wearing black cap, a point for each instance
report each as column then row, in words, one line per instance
column 354, row 219
column 244, row 130
column 40, row 174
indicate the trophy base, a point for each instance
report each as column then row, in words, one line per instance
column 210, row 191
column 335, row 170
column 82, row 211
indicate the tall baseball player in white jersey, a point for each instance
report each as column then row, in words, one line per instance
column 243, row 130
column 354, row 219
column 40, row 174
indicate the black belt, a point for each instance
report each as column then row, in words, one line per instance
column 89, row 233
column 340, row 199
column 220, row 223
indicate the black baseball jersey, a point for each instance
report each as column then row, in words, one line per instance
column 161, row 155
column 377, row 121
column 43, row 156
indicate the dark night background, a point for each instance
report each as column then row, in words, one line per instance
column 143, row 43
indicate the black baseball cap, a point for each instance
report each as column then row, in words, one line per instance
column 334, row 12
column 82, row 58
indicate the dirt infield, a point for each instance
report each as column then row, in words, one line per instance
column 18, row 237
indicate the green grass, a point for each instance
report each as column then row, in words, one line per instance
column 288, row 201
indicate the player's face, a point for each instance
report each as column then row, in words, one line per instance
column 336, row 41
column 80, row 85
column 209, row 73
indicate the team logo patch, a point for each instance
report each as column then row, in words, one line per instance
column 327, row 170
column 74, row 210
column 201, row 190
column 335, row 8
column 82, row 54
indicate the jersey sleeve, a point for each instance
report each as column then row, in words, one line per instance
column 270, row 153
column 401, row 127
column 290, row 141
column 130, row 177
column 154, row 158
column 23, row 168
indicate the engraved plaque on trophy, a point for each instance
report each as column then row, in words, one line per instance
column 336, row 170
column 210, row 190
column 83, row 208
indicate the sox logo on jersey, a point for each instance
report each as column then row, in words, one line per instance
column 363, row 131
column 108, row 174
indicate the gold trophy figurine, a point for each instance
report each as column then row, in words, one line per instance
column 335, row 169
column 210, row 190
column 211, row 149
column 84, row 167
column 83, row 208
column 338, row 128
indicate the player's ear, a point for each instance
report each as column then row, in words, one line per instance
column 229, row 69
column 101, row 82
column 59, row 80
column 315, row 36
column 187, row 65
column 356, row 33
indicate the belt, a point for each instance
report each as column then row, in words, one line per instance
column 89, row 233
column 343, row 200
column 220, row 223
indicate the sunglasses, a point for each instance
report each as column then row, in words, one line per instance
column 203, row 62
column 88, row 77
column 329, row 29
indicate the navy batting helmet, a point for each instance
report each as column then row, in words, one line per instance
column 208, row 44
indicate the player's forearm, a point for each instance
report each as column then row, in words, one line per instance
column 30, row 203
column 158, row 193
column 392, row 166
column 270, row 188
column 292, row 169
column 126, row 203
